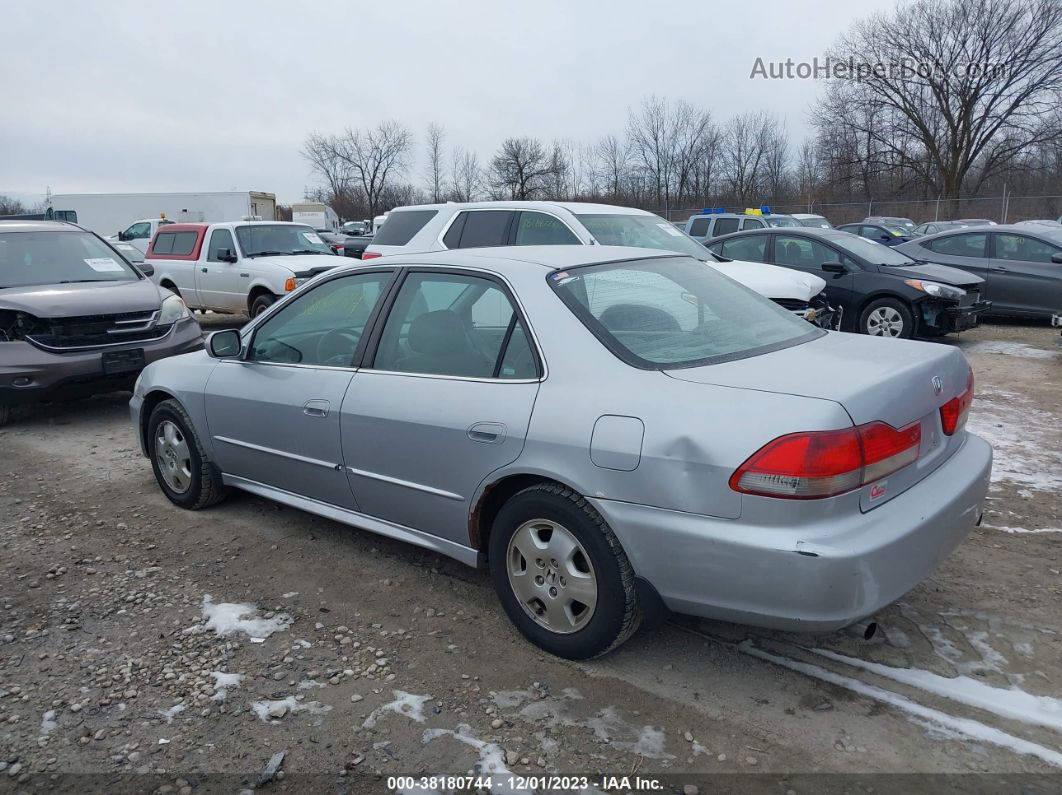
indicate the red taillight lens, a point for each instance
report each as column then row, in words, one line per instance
column 371, row 255
column 816, row 464
column 953, row 413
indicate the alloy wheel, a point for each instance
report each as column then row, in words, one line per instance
column 884, row 321
column 552, row 576
column 173, row 456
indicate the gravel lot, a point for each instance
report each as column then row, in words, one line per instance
column 126, row 659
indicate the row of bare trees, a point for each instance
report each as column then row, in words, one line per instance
column 969, row 100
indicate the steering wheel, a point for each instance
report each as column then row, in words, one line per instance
column 336, row 347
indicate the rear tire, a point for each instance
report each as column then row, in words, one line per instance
column 262, row 303
column 887, row 317
column 555, row 539
column 184, row 471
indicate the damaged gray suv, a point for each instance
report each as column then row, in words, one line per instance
column 76, row 318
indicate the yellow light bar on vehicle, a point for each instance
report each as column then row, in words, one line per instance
column 753, row 211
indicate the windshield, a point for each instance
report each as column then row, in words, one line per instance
column 816, row 221
column 32, row 258
column 276, row 239
column 872, row 251
column 675, row 312
column 642, row 231
column 781, row 220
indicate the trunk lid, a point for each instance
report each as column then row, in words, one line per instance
column 895, row 381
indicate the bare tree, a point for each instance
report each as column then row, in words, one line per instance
column 653, row 145
column 613, row 164
column 435, row 137
column 965, row 86
column 11, row 206
column 522, row 168
column 466, row 176
column 742, row 154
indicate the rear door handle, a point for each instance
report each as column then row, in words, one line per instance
column 316, row 408
column 487, row 432
column 998, row 269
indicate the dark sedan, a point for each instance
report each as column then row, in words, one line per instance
column 1021, row 265
column 882, row 291
column 890, row 235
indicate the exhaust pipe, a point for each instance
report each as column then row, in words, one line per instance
column 864, row 629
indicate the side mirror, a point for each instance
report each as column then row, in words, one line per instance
column 834, row 267
column 145, row 268
column 226, row 255
column 885, row 238
column 224, row 344
column 1057, row 258
column 123, row 236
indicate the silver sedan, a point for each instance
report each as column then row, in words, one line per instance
column 610, row 431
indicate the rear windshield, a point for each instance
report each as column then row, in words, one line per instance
column 777, row 220
column 400, row 227
column 675, row 312
column 641, row 231
column 35, row 258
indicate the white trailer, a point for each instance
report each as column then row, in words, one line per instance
column 316, row 214
column 111, row 213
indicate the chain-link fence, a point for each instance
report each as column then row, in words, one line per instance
column 1002, row 209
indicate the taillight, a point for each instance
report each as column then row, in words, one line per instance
column 817, row 464
column 953, row 413
column 370, row 254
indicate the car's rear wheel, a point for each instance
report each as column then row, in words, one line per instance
column 262, row 303
column 182, row 468
column 561, row 574
column 887, row 317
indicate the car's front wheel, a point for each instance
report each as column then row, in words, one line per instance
column 261, row 304
column 561, row 574
column 887, row 317
column 182, row 468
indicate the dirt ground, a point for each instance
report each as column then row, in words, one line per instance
column 362, row 659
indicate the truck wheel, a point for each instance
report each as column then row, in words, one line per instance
column 262, row 303
column 887, row 317
column 184, row 472
column 561, row 574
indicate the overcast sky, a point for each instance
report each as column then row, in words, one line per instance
column 132, row 96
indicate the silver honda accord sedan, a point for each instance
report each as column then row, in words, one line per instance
column 608, row 430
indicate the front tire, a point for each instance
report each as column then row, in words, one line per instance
column 887, row 317
column 561, row 574
column 262, row 303
column 184, row 471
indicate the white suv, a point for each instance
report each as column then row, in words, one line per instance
column 438, row 227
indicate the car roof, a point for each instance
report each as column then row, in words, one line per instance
column 184, row 227
column 807, row 231
column 516, row 258
column 16, row 225
column 587, row 208
column 1053, row 233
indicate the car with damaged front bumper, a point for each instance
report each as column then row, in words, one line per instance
column 76, row 318
column 608, row 430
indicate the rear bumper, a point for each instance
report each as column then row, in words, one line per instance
column 30, row 375
column 844, row 569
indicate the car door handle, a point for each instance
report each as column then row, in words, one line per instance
column 204, row 270
column 487, row 432
column 998, row 269
column 316, row 408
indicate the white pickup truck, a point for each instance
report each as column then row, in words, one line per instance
column 140, row 233
column 237, row 266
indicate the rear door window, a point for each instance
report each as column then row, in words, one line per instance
column 967, row 245
column 540, row 229
column 752, row 223
column 401, row 225
column 750, row 249
column 724, row 226
column 485, row 228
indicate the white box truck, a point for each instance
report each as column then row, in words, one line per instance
column 316, row 214
column 108, row 214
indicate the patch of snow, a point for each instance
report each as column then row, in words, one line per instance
column 223, row 683
column 1022, row 530
column 172, row 712
column 896, row 637
column 290, row 594
column 1018, row 432
column 406, row 704
column 1014, row 704
column 301, row 644
column 491, row 758
column 49, row 722
column 1024, row 649
column 967, row 727
column 309, row 684
column 1009, row 349
column 228, row 618
column 261, row 708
